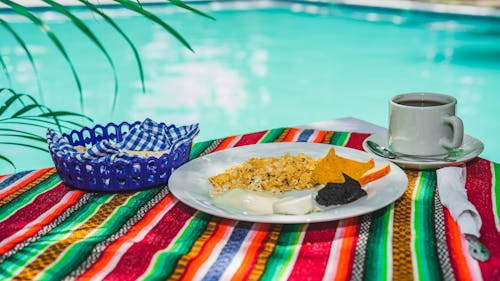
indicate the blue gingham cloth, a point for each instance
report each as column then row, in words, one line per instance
column 149, row 135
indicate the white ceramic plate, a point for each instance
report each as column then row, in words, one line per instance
column 470, row 149
column 190, row 184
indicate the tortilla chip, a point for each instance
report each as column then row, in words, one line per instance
column 353, row 168
column 327, row 169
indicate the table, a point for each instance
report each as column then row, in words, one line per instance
column 49, row 231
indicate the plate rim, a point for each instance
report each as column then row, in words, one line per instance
column 287, row 219
column 424, row 165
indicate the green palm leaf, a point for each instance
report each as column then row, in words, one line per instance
column 24, row 145
column 30, row 124
column 183, row 5
column 93, row 8
column 64, row 113
column 48, row 121
column 42, row 117
column 14, row 97
column 26, row 109
column 138, row 9
column 33, row 138
column 34, row 104
column 84, row 28
column 5, row 159
column 53, row 38
column 23, row 45
column 6, row 71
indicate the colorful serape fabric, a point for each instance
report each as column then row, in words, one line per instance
column 49, row 231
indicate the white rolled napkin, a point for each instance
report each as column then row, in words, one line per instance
column 451, row 188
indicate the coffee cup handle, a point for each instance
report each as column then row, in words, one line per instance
column 458, row 132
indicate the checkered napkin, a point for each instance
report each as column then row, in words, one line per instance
column 150, row 136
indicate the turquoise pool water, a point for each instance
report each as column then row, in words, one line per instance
column 267, row 67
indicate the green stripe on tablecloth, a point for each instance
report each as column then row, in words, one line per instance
column 427, row 263
column 79, row 251
column 23, row 257
column 496, row 194
column 378, row 250
column 272, row 135
column 199, row 147
column 28, row 196
column 339, row 138
column 166, row 260
column 283, row 252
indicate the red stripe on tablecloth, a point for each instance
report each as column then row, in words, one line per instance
column 22, row 182
column 131, row 266
column 225, row 143
column 44, row 219
column 291, row 135
column 255, row 246
column 479, row 192
column 454, row 241
column 132, row 234
column 252, row 138
column 223, row 228
column 314, row 252
column 320, row 136
column 356, row 140
column 344, row 268
column 32, row 211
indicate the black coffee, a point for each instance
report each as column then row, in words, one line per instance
column 421, row 103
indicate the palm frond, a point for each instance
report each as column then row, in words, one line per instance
column 46, row 121
column 183, row 5
column 5, row 159
column 21, row 10
column 45, row 111
column 14, row 97
column 24, row 145
column 35, row 125
column 6, row 71
column 26, row 109
column 23, row 45
column 138, row 9
column 86, row 30
column 94, row 9
column 64, row 113
column 20, row 114
column 25, row 135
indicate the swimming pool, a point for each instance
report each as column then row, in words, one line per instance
column 262, row 67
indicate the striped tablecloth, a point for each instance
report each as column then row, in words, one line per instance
column 49, row 231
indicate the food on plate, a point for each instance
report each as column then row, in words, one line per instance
column 270, row 174
column 251, row 202
column 340, row 193
column 328, row 169
column 289, row 184
column 294, row 205
column 353, row 168
column 375, row 173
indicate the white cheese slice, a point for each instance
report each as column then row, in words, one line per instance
column 294, row 205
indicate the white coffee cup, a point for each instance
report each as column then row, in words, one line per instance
column 424, row 124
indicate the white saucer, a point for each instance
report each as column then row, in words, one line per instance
column 471, row 148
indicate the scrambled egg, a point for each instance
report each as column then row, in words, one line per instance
column 270, row 174
column 289, row 172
